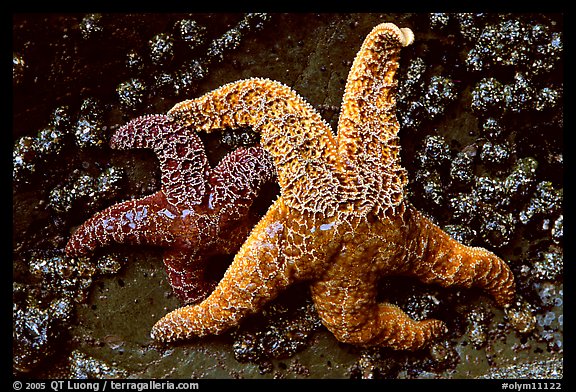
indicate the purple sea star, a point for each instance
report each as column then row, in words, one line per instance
column 197, row 213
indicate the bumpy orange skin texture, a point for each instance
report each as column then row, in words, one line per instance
column 341, row 221
column 198, row 212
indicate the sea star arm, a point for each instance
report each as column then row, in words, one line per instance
column 256, row 276
column 185, row 271
column 300, row 142
column 141, row 221
column 435, row 257
column 368, row 128
column 237, row 180
column 346, row 303
column 345, row 296
column 183, row 162
column 233, row 185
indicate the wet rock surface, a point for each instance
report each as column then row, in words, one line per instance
column 481, row 136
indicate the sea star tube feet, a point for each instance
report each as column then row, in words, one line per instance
column 198, row 212
column 342, row 221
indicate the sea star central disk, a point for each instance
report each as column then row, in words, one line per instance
column 342, row 221
column 199, row 211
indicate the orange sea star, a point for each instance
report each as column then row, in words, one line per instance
column 198, row 212
column 341, row 221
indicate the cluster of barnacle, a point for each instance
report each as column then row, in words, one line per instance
column 82, row 366
column 486, row 205
column 284, row 329
column 88, row 191
column 509, row 180
column 421, row 97
column 36, row 327
column 155, row 65
column 496, row 184
column 61, row 132
column 159, row 66
column 44, row 305
column 505, row 181
column 374, row 364
column 154, row 69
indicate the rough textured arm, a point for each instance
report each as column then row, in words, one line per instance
column 183, row 161
column 367, row 128
column 300, row 142
column 435, row 257
column 185, row 271
column 131, row 222
column 237, row 180
column 257, row 275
